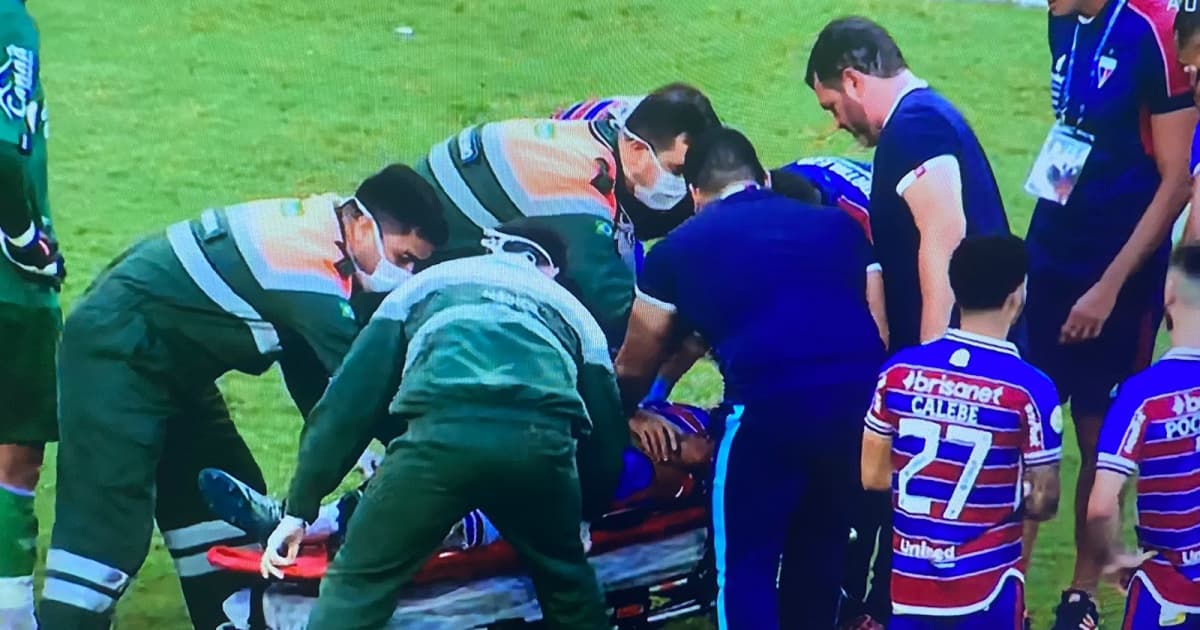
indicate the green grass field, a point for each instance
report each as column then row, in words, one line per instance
column 160, row 109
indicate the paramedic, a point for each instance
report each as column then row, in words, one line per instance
column 768, row 459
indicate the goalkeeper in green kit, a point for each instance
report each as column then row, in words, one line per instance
column 238, row 289
column 30, row 318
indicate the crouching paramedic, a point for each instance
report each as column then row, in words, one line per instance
column 238, row 289
column 492, row 371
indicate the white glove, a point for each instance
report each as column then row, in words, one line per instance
column 585, row 536
column 289, row 534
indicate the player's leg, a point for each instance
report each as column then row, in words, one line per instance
column 29, row 420
column 200, row 436
column 819, row 531
column 419, row 492
column 112, row 425
column 533, row 497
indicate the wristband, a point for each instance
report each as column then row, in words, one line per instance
column 660, row 390
column 24, row 240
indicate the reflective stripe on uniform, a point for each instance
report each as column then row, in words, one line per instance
column 16, row 593
column 188, row 251
column 455, row 187
column 76, row 595
column 87, row 569
column 205, row 533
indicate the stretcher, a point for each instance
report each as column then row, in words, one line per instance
column 653, row 566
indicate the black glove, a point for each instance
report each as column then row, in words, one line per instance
column 40, row 260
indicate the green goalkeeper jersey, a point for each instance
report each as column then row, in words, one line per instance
column 242, row 288
column 557, row 174
column 478, row 341
column 23, row 187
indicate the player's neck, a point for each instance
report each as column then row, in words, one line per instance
column 1091, row 8
column 994, row 324
column 1185, row 331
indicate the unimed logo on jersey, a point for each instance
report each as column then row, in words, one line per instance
column 945, row 385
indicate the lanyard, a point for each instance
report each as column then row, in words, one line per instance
column 1066, row 89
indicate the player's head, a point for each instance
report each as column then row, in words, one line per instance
column 654, row 140
column 850, row 69
column 393, row 220
column 1070, row 7
column 987, row 274
column 1187, row 41
column 1182, row 296
column 795, row 186
column 539, row 245
column 720, row 158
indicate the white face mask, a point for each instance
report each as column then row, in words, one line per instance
column 387, row 275
column 668, row 189
column 501, row 244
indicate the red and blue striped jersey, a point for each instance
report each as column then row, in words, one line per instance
column 966, row 415
column 594, row 108
column 1153, row 430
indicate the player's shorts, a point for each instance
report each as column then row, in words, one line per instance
column 28, row 382
column 1143, row 611
column 1086, row 373
column 1006, row 612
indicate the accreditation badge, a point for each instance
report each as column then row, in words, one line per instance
column 1057, row 167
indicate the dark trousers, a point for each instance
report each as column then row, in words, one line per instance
column 869, row 559
column 781, row 518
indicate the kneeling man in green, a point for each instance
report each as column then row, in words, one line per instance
column 493, row 371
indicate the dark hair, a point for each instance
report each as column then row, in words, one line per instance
column 985, row 270
column 547, row 238
column 721, row 157
column 1187, row 24
column 669, row 111
column 401, row 201
column 795, row 186
column 853, row 42
column 1186, row 258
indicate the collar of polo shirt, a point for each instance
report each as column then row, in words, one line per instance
column 913, row 83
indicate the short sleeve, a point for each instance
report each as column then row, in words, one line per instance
column 880, row 419
column 1195, row 160
column 1163, row 84
column 659, row 279
column 916, row 144
column 1123, row 433
column 1042, row 441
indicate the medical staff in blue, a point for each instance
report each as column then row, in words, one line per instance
column 1112, row 178
column 778, row 290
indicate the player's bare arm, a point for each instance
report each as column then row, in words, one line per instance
column 876, row 461
column 643, row 352
column 875, row 301
column 1171, row 136
column 936, row 201
column 1041, row 492
column 1103, row 529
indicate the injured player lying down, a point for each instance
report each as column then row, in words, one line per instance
column 673, row 447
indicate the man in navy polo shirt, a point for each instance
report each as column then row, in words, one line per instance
column 778, row 289
column 931, row 186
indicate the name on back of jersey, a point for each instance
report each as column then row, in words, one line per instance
column 950, row 399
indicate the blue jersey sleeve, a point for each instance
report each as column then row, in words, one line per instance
column 914, row 141
column 1043, row 443
column 1163, row 84
column 1123, row 433
column 657, row 282
column 1195, row 161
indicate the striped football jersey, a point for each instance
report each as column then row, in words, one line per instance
column 966, row 416
column 1153, row 431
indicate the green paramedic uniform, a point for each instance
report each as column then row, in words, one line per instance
column 557, row 174
column 496, row 371
column 238, row 289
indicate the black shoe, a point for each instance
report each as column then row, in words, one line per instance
column 240, row 505
column 1076, row 611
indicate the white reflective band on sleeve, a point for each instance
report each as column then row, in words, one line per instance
column 930, row 164
column 874, row 268
column 214, row 286
column 24, row 239
column 87, row 569
column 204, row 533
column 16, row 592
column 208, row 221
column 653, row 301
column 448, row 177
column 77, row 596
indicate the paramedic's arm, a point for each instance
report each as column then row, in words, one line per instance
column 642, row 354
column 320, row 330
column 340, row 426
column 875, row 302
column 934, row 192
column 16, row 212
column 690, row 350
